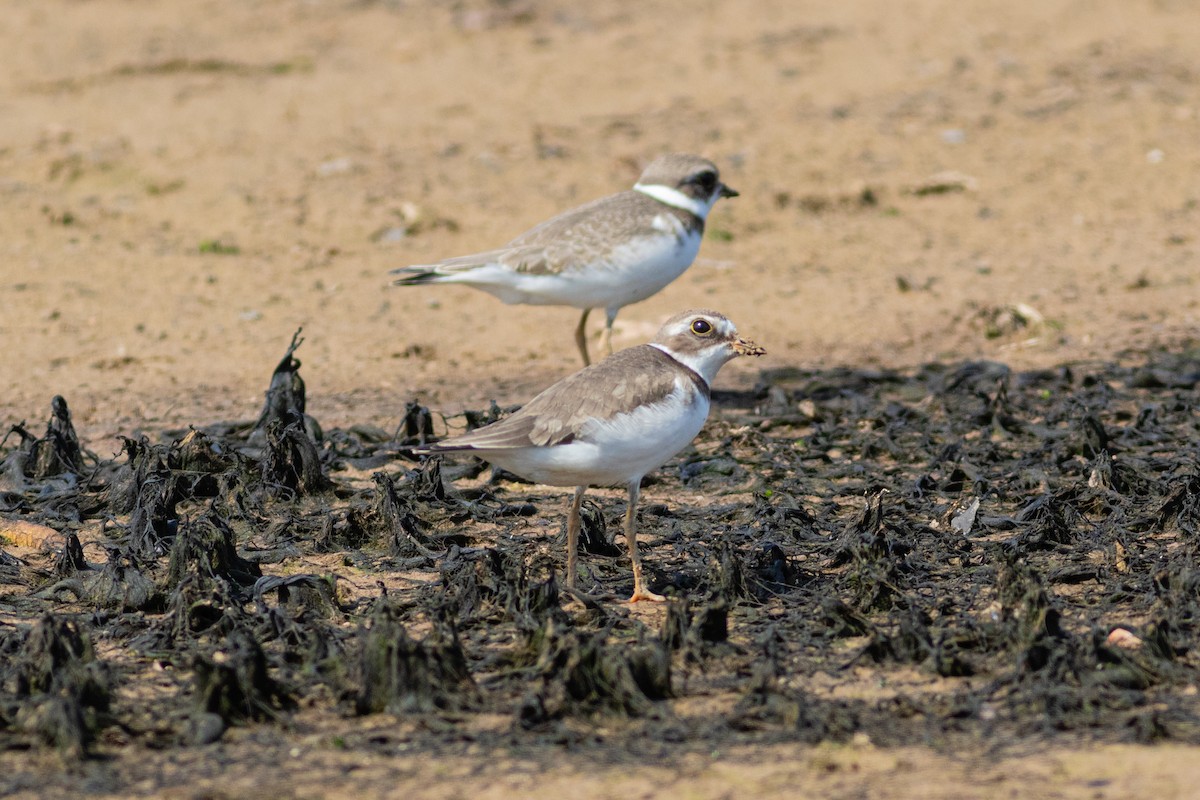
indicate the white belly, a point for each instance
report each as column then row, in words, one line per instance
column 624, row 275
column 618, row 451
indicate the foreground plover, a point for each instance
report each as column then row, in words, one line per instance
column 607, row 254
column 615, row 421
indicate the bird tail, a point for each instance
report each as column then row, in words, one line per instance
column 415, row 276
column 437, row 449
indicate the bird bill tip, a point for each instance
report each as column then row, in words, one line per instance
column 745, row 347
column 728, row 191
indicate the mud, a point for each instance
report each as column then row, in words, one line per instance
column 960, row 555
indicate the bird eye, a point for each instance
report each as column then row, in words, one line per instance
column 706, row 180
column 701, row 327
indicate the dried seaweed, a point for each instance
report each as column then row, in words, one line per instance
column 1026, row 542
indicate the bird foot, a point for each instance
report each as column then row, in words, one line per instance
column 641, row 594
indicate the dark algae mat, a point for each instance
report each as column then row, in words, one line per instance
column 954, row 554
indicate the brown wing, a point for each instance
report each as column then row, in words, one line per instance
column 616, row 385
column 575, row 238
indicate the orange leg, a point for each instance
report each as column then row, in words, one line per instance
column 640, row 592
column 610, row 318
column 581, row 337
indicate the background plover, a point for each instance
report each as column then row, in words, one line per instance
column 606, row 254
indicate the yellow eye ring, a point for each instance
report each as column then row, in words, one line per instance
column 702, row 327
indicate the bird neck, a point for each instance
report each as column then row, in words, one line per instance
column 703, row 365
column 676, row 198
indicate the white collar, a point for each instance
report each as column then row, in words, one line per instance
column 704, row 362
column 675, row 198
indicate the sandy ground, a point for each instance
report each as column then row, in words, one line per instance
column 184, row 185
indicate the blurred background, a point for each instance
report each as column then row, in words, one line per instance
column 182, row 186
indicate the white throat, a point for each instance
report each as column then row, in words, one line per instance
column 676, row 198
column 705, row 363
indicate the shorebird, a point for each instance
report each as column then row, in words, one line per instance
column 612, row 422
column 606, row 254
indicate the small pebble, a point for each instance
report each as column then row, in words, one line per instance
column 1120, row 637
